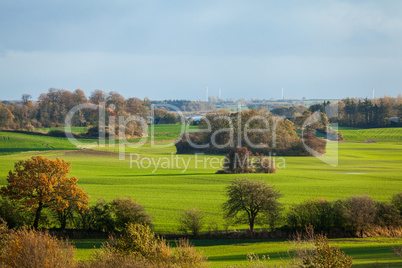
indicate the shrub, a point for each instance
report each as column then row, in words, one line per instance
column 139, row 244
column 319, row 213
column 264, row 164
column 112, row 216
column 110, row 258
column 13, row 213
column 359, row 212
column 127, row 210
column 187, row 257
column 397, row 202
column 387, row 215
column 98, row 217
column 4, row 235
column 315, row 143
column 238, row 160
column 57, row 133
column 30, row 248
column 193, row 220
column 323, row 255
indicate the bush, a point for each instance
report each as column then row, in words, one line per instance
column 139, row 244
column 98, row 217
column 319, row 213
column 397, row 202
column 112, row 216
column 109, row 258
column 193, row 220
column 13, row 213
column 264, row 164
column 4, row 236
column 323, row 255
column 387, row 215
column 238, row 160
column 318, row 145
column 57, row 133
column 186, row 256
column 29, row 248
column 127, row 210
column 359, row 213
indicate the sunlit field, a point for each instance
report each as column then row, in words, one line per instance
column 372, row 169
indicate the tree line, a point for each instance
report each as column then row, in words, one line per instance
column 186, row 105
column 351, row 112
column 52, row 108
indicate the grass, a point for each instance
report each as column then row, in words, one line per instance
column 11, row 142
column 222, row 253
column 168, row 131
column 363, row 168
column 373, row 169
column 376, row 134
column 73, row 129
column 365, row 252
column 17, row 142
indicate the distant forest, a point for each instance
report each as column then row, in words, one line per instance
column 362, row 113
column 52, row 108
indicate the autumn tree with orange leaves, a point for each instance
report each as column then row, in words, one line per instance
column 40, row 182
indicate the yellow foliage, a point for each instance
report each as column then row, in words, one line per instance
column 41, row 182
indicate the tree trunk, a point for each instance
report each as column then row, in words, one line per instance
column 37, row 216
column 252, row 224
column 63, row 219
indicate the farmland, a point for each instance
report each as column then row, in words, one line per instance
column 375, row 134
column 19, row 142
column 364, row 168
column 73, row 129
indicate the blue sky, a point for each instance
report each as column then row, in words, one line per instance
column 175, row 49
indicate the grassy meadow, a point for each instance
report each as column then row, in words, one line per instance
column 375, row 134
column 73, row 129
column 148, row 175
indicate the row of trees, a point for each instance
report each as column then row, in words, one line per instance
column 52, row 108
column 364, row 113
column 186, row 105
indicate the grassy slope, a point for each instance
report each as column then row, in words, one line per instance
column 18, row 142
column 73, row 129
column 168, row 190
column 376, row 134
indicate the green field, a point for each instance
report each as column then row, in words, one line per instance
column 375, row 134
column 223, row 253
column 364, row 168
column 73, row 129
column 168, row 131
column 17, row 142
